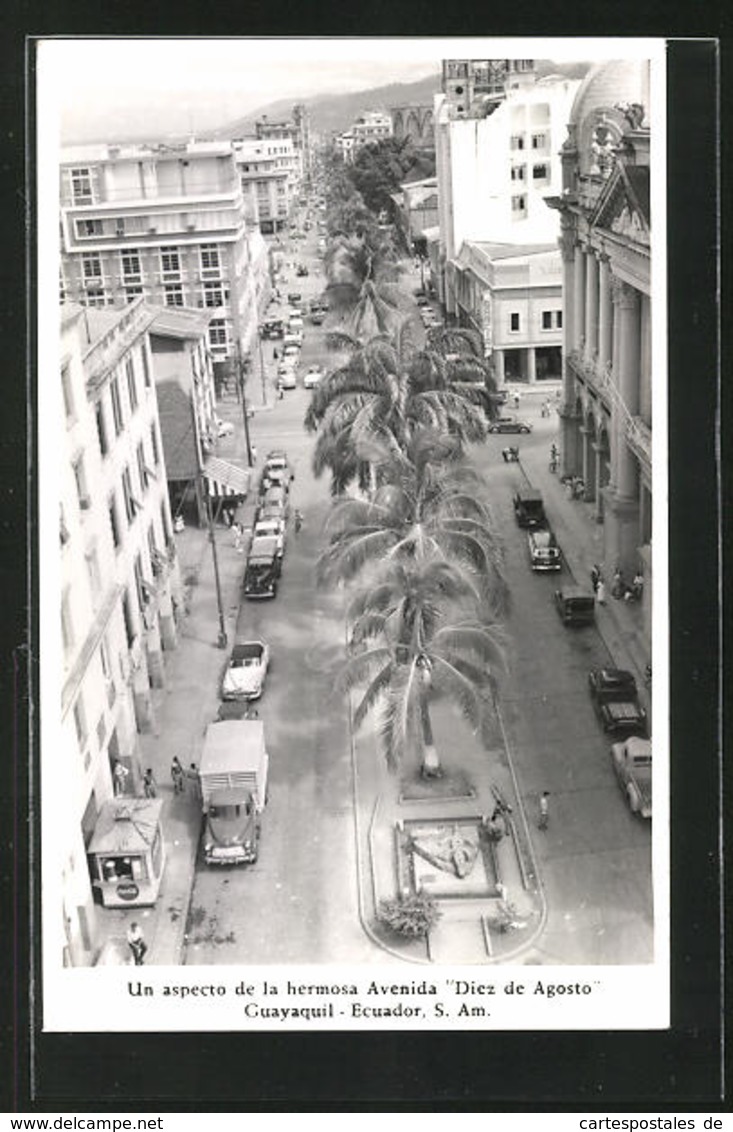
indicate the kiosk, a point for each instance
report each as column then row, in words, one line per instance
column 126, row 853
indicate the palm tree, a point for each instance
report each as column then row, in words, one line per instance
column 388, row 387
column 427, row 501
column 363, row 292
column 415, row 637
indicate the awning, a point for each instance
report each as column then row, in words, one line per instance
column 223, row 478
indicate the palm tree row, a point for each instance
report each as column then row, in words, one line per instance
column 416, row 544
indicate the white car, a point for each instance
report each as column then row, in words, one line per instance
column 286, row 377
column 265, row 528
column 313, row 376
column 245, row 672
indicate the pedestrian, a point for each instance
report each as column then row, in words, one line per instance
column 595, row 577
column 516, row 400
column 275, row 354
column 150, row 788
column 194, row 780
column 136, row 943
column 544, row 810
column 637, row 587
column 298, row 521
column 617, row 585
column 119, row 775
column 238, row 533
column 177, row 775
column 601, row 592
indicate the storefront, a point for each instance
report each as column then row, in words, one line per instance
column 126, row 854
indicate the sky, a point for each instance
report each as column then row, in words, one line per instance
column 102, row 88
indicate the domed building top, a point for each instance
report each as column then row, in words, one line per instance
column 612, row 98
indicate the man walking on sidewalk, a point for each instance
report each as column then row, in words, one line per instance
column 544, row 811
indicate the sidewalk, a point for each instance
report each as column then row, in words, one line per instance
column 182, row 710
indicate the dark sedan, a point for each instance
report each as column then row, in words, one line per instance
column 509, row 424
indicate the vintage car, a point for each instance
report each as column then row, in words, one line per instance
column 529, row 509
column 575, row 605
column 272, row 328
column 274, row 497
column 544, row 553
column 244, row 675
column 509, row 424
column 616, row 702
column 312, row 377
column 272, row 528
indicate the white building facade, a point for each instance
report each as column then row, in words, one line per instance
column 495, row 163
column 117, row 580
column 166, row 222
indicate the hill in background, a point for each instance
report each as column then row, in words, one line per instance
column 334, row 113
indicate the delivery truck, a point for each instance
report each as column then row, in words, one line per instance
column 233, row 775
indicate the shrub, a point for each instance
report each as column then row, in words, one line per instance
column 412, row 916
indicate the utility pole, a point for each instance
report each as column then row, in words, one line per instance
column 243, row 395
column 262, row 368
column 222, row 639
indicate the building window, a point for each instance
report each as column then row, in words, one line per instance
column 541, row 173
column 146, row 367
column 81, row 483
column 132, row 506
column 88, row 228
column 96, row 297
column 114, row 389
column 67, row 394
column 173, row 294
column 132, row 293
column 514, row 321
column 519, row 203
column 95, row 578
column 127, row 616
column 142, row 600
column 81, row 186
column 80, row 721
column 210, row 260
column 539, row 141
column 152, row 545
column 114, row 523
column 170, row 263
column 558, row 319
column 517, row 141
column 547, row 320
column 213, row 294
column 218, row 334
column 518, row 173
column 131, row 383
column 141, row 469
column 91, row 267
column 165, row 523
column 154, row 445
column 67, row 625
column 131, row 270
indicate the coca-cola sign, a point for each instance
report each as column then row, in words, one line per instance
column 127, row 890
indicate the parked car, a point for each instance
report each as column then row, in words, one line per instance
column 286, row 377
column 262, row 571
column 313, row 376
column 277, row 458
column 275, row 497
column 632, row 764
column 301, row 269
column 509, row 424
column 272, row 328
column 245, row 673
column 529, row 509
column 272, row 528
column 616, row 702
column 294, row 298
column 293, row 339
column 575, row 605
column 317, row 317
column 274, row 477
column 544, row 553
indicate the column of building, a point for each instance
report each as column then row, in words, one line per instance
column 623, row 492
column 568, row 252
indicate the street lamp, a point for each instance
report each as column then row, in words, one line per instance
column 243, row 395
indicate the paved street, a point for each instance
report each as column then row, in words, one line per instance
column 300, row 902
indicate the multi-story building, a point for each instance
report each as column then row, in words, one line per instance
column 608, row 364
column 297, row 129
column 189, row 423
column 269, row 174
column 473, row 86
column 496, row 161
column 372, row 126
column 415, row 208
column 512, row 295
column 119, row 578
column 165, row 221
